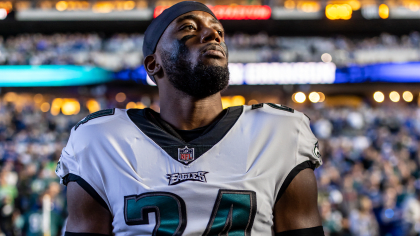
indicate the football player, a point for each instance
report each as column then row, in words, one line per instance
column 194, row 168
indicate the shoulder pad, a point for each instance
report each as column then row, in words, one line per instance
column 275, row 106
column 106, row 112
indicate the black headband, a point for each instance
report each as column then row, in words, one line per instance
column 159, row 25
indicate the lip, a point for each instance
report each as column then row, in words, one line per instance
column 214, row 51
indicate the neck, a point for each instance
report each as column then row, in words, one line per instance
column 185, row 112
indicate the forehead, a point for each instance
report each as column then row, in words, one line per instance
column 196, row 16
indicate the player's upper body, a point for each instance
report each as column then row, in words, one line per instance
column 194, row 168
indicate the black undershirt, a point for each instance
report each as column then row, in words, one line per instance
column 186, row 135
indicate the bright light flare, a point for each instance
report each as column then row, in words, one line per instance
column 70, row 107
column 314, row 97
column 394, row 96
column 289, row 4
column 238, row 100
column 10, row 97
column 45, row 107
column 38, row 98
column 379, row 96
column 355, row 5
column 338, row 11
column 299, row 97
column 93, row 105
column 233, row 101
column 326, row 57
column 321, row 97
column 3, row 13
column 130, row 105
column 120, row 97
column 383, row 11
column 61, row 6
column 252, row 102
column 408, row 96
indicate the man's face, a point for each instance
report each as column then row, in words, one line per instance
column 194, row 55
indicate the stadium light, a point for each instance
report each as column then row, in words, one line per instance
column 238, row 100
column 314, row 97
column 232, row 101
column 321, row 97
column 299, row 97
column 394, row 96
column 55, row 106
column 408, row 96
column 355, row 5
column 309, row 6
column 289, row 4
column 70, row 106
column 93, row 105
column 61, row 6
column 120, row 97
column 383, row 11
column 252, row 102
column 326, row 57
column 338, row 11
column 3, row 14
column 414, row 6
column 130, row 105
column 10, row 97
column 45, row 107
column 379, row 96
column 140, row 105
column 38, row 98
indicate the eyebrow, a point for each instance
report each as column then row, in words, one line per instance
column 186, row 17
column 194, row 17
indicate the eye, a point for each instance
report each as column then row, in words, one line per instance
column 189, row 27
column 220, row 33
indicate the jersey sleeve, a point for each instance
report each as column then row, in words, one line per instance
column 67, row 163
column 74, row 166
column 308, row 147
column 307, row 154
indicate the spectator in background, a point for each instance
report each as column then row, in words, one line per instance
column 362, row 219
column 412, row 213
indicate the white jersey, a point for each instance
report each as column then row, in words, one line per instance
column 226, row 181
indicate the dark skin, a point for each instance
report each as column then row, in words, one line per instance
column 296, row 209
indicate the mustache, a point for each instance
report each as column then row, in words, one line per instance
column 181, row 44
column 214, row 46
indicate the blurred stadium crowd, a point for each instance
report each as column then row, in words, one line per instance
column 369, row 184
column 122, row 51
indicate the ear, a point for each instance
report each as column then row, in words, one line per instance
column 151, row 65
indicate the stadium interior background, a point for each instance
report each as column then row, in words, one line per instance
column 353, row 66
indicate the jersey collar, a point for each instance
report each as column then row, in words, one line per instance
column 181, row 151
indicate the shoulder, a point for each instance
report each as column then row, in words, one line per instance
column 275, row 112
column 99, row 117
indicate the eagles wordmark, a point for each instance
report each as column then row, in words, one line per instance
column 177, row 178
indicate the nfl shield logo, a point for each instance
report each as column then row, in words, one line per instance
column 186, row 154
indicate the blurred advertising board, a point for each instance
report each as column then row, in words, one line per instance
column 52, row 75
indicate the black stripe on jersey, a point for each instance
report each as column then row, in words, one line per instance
column 170, row 143
column 281, row 107
column 89, row 189
column 292, row 175
column 106, row 112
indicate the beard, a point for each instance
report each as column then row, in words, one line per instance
column 198, row 80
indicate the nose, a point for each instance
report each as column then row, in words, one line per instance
column 208, row 35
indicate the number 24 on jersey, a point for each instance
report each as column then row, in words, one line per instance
column 233, row 213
